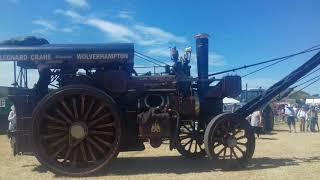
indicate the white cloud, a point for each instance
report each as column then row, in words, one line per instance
column 113, row 30
column 78, row 3
column 159, row 51
column 158, row 35
column 126, row 15
column 45, row 24
column 140, row 34
column 69, row 13
column 47, row 27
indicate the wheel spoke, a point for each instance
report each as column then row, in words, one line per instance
column 57, row 128
column 99, row 119
column 58, row 141
column 187, row 128
column 184, row 137
column 101, row 132
column 97, row 146
column 109, row 145
column 224, row 154
column 93, row 157
column 105, row 125
column 56, row 120
column 75, row 156
column 224, row 148
column 243, row 144
column 61, row 114
column 54, row 155
column 240, row 150
column 230, row 153
column 89, row 110
column 82, row 104
column 97, row 111
column 67, row 108
column 187, row 143
column 196, row 148
column 83, row 152
column 54, row 135
column 75, row 110
column 234, row 153
column 235, row 133
column 241, row 137
column 218, row 144
column 224, row 128
column 66, row 156
column 190, row 145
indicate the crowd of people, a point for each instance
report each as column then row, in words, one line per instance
column 307, row 116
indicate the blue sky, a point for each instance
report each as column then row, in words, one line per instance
column 242, row 32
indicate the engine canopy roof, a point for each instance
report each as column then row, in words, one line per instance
column 80, row 55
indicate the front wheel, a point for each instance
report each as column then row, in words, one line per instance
column 229, row 138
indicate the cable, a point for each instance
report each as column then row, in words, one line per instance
column 150, row 58
column 308, row 85
column 309, row 74
column 145, row 67
column 317, row 77
column 264, row 67
column 313, row 48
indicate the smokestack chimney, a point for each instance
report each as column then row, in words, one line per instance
column 202, row 62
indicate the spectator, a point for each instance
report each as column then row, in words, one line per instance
column 12, row 120
column 255, row 121
column 302, row 115
column 295, row 109
column 313, row 115
column 290, row 114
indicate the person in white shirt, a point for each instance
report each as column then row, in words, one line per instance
column 255, row 121
column 291, row 116
column 302, row 115
column 12, row 120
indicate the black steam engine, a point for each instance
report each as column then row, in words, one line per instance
column 100, row 106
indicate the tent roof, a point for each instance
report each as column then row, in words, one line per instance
column 227, row 100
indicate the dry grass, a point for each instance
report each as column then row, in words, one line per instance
column 280, row 155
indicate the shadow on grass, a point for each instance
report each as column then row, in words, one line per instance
column 174, row 164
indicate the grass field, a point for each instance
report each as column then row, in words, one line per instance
column 279, row 155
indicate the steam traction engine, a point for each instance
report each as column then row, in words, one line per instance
column 100, row 106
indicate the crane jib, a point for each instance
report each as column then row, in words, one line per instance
column 279, row 87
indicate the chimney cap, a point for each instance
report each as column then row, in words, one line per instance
column 202, row 35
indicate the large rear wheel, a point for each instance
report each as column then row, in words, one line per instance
column 76, row 130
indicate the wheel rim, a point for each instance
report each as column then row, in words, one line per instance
column 77, row 133
column 232, row 140
column 190, row 140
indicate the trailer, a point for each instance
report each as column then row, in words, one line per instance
column 89, row 104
